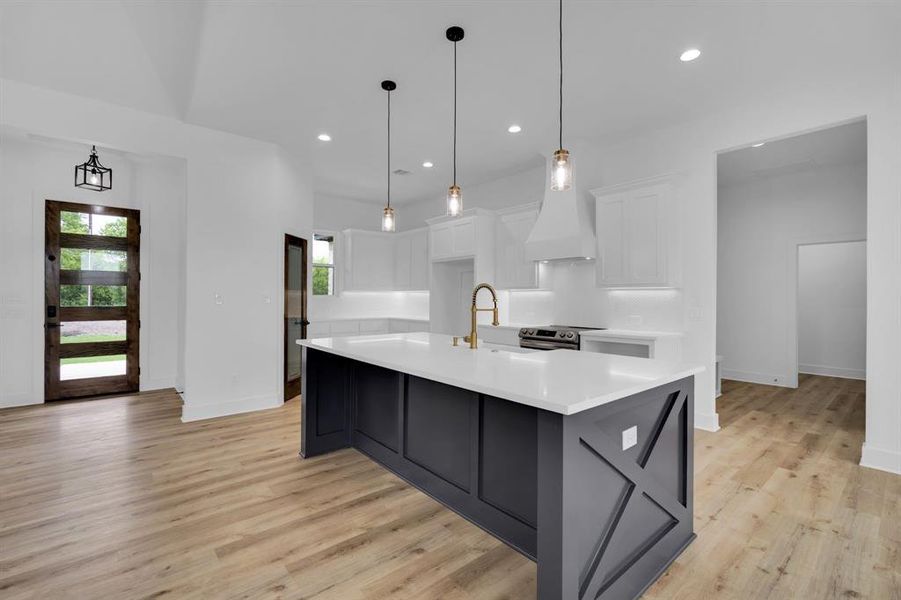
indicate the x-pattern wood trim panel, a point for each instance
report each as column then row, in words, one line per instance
column 617, row 537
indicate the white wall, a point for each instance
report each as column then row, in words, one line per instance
column 34, row 170
column 761, row 224
column 242, row 196
column 334, row 213
column 832, row 309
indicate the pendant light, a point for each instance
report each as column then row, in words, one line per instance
column 388, row 221
column 92, row 175
column 454, row 195
column 562, row 166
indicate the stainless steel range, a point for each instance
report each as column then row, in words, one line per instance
column 552, row 337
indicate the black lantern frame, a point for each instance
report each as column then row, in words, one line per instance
column 92, row 175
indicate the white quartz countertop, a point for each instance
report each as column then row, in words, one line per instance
column 561, row 381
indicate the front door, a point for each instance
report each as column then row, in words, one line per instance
column 295, row 311
column 92, row 281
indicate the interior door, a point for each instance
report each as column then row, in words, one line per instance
column 295, row 311
column 92, row 289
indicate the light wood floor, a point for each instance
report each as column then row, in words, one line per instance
column 117, row 498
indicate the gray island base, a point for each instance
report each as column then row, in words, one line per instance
column 600, row 521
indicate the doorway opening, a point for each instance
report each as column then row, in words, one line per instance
column 295, row 313
column 791, row 266
column 92, row 291
column 832, row 309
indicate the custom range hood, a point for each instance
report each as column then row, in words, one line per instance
column 563, row 229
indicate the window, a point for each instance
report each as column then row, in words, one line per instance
column 323, row 264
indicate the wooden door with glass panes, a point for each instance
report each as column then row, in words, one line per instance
column 92, row 282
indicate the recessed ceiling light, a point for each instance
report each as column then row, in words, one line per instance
column 690, row 54
column 758, row 145
column 428, row 164
column 514, row 128
column 324, row 137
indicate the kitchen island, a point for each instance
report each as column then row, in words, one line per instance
column 580, row 461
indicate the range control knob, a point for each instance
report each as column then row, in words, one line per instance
column 561, row 334
column 569, row 335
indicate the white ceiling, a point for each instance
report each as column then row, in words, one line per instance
column 286, row 71
column 832, row 147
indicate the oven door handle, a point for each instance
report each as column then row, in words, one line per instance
column 544, row 345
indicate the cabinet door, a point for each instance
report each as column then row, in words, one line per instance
column 442, row 241
column 513, row 270
column 403, row 261
column 419, row 260
column 645, row 251
column 610, row 227
column 372, row 261
column 464, row 237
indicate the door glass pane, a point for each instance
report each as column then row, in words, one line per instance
column 77, row 259
column 93, row 224
column 91, row 295
column 79, row 332
column 83, row 367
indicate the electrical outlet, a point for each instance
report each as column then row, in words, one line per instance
column 694, row 313
column 218, row 299
column 630, row 437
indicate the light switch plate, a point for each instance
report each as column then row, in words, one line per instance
column 630, row 437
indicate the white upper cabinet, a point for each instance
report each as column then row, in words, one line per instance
column 461, row 237
column 368, row 260
column 512, row 269
column 378, row 261
column 636, row 233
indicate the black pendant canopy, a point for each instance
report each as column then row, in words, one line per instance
column 92, row 175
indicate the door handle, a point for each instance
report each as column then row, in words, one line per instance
column 304, row 322
column 51, row 324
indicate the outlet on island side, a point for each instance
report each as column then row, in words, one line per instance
column 630, row 437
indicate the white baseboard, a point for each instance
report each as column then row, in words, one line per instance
column 879, row 458
column 833, row 371
column 761, row 378
column 161, row 383
column 707, row 422
column 193, row 412
column 13, row 400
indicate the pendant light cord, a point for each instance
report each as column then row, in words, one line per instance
column 455, row 113
column 389, row 149
column 561, row 76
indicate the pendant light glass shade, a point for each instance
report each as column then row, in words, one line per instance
column 388, row 222
column 454, row 201
column 561, row 171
